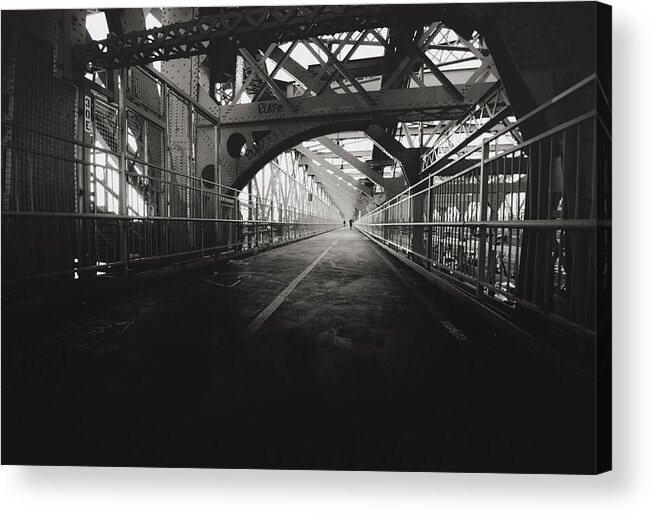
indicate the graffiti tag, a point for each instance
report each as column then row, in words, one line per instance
column 256, row 149
column 265, row 108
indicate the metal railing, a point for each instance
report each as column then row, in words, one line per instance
column 528, row 227
column 135, row 214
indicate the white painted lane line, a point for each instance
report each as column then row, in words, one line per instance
column 435, row 311
column 271, row 308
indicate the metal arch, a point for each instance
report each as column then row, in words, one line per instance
column 319, row 116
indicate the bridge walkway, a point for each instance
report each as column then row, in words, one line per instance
column 325, row 353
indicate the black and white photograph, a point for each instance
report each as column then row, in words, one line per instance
column 354, row 237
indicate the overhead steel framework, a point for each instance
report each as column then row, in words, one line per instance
column 439, row 78
column 353, row 104
column 242, row 27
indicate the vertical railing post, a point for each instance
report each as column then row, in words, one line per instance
column 220, row 229
column 271, row 218
column 165, row 175
column 250, row 213
column 428, row 256
column 191, row 193
column 483, row 211
column 256, row 218
column 167, row 158
column 410, row 227
column 201, row 214
column 85, row 227
column 123, row 204
column 232, row 226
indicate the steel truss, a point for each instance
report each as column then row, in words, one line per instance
column 489, row 114
column 438, row 101
column 439, row 77
column 242, row 27
column 423, row 90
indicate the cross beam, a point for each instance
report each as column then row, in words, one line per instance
column 415, row 104
column 337, row 189
column 322, row 162
column 337, row 193
column 409, row 158
column 360, row 166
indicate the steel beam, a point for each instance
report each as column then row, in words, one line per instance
column 341, row 68
column 336, row 189
column 360, row 166
column 344, row 201
column 322, row 162
column 416, row 104
column 409, row 158
column 259, row 69
column 293, row 68
column 422, row 56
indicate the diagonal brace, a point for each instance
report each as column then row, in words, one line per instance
column 344, row 154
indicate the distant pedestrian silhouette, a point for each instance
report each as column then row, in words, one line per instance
column 344, row 223
column 350, row 222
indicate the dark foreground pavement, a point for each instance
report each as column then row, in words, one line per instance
column 357, row 365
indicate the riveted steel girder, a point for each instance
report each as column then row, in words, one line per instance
column 270, row 127
column 417, row 104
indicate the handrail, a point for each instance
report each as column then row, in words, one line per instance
column 573, row 224
column 478, row 224
column 124, row 217
column 535, row 139
column 222, row 191
column 547, row 104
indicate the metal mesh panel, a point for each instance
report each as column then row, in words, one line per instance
column 107, row 125
column 170, row 171
column 43, row 25
column 157, row 187
column 136, row 135
column 43, row 176
column 155, row 145
column 205, row 133
column 205, row 143
column 145, row 90
column 179, row 148
column 142, row 194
